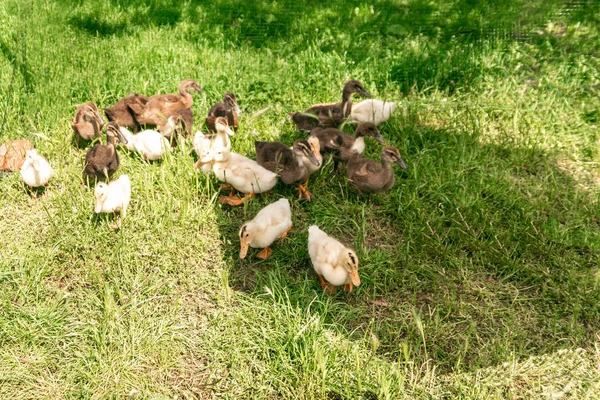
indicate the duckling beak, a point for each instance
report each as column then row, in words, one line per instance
column 313, row 159
column 122, row 138
column 237, row 109
column 243, row 249
column 197, row 88
column 366, row 94
column 355, row 278
column 100, row 120
column 379, row 138
column 229, row 131
column 401, row 163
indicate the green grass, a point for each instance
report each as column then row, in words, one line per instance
column 480, row 268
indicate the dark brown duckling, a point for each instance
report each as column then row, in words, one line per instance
column 87, row 123
column 178, row 124
column 102, row 160
column 369, row 176
column 342, row 145
column 331, row 114
column 228, row 108
column 122, row 114
column 161, row 106
column 288, row 163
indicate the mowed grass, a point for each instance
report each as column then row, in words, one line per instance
column 479, row 269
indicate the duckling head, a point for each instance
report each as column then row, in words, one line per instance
column 113, row 133
column 391, row 154
column 354, row 86
column 91, row 114
column 303, row 148
column 221, row 125
column 32, row 157
column 190, row 85
column 230, row 99
column 247, row 234
column 349, row 262
column 100, row 194
column 369, row 129
column 315, row 146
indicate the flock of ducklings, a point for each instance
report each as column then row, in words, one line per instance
column 171, row 114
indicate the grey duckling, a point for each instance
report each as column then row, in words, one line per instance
column 102, row 160
column 87, row 123
column 288, row 163
column 122, row 114
column 369, row 176
column 331, row 114
column 228, row 108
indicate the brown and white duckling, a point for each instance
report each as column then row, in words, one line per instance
column 331, row 114
column 228, row 108
column 87, row 123
column 287, row 162
column 178, row 124
column 102, row 160
column 271, row 223
column 122, row 114
column 369, row 176
column 342, row 145
column 334, row 263
column 161, row 106
column 372, row 110
column 205, row 144
column 13, row 154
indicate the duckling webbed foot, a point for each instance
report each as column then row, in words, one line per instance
column 304, row 193
column 234, row 200
column 348, row 287
column 284, row 235
column 265, row 253
column 327, row 287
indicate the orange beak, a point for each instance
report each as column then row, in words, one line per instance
column 355, row 278
column 243, row 249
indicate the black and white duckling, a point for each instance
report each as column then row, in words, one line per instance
column 122, row 114
column 334, row 263
column 369, row 176
column 205, row 144
column 342, row 145
column 102, row 160
column 152, row 145
column 87, row 123
column 228, row 108
column 331, row 114
column 35, row 171
column 240, row 173
column 372, row 110
column 287, row 162
column 112, row 197
column 271, row 223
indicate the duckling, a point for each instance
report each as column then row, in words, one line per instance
column 369, row 176
column 122, row 114
column 331, row 114
column 36, row 171
column 241, row 173
column 87, row 123
column 161, row 106
column 334, row 263
column 150, row 144
column 180, row 123
column 372, row 110
column 272, row 222
column 333, row 140
column 13, row 154
column 112, row 197
column 228, row 108
column 287, row 162
column 102, row 160
column 203, row 144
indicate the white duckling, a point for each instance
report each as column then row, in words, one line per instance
column 334, row 263
column 203, row 144
column 113, row 196
column 152, row 145
column 35, row 171
column 372, row 110
column 241, row 173
column 271, row 223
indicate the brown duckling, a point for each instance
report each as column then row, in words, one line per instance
column 369, row 176
column 161, row 106
column 13, row 154
column 178, row 124
column 87, row 123
column 331, row 114
column 102, row 160
column 287, row 162
column 342, row 145
column 228, row 108
column 122, row 114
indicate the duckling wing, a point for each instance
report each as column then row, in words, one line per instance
column 364, row 169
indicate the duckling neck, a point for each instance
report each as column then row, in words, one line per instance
column 346, row 102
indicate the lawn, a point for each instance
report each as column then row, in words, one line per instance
column 480, row 268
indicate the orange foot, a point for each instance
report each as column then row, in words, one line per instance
column 226, row 186
column 284, row 234
column 327, row 287
column 265, row 253
column 231, row 200
column 304, row 193
column 348, row 287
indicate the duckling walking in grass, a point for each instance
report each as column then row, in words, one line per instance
column 102, row 160
column 271, row 223
column 369, row 176
column 35, row 171
column 152, row 145
column 87, row 123
column 112, row 197
column 372, row 110
column 334, row 263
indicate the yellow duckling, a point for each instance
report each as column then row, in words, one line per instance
column 271, row 223
column 334, row 263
